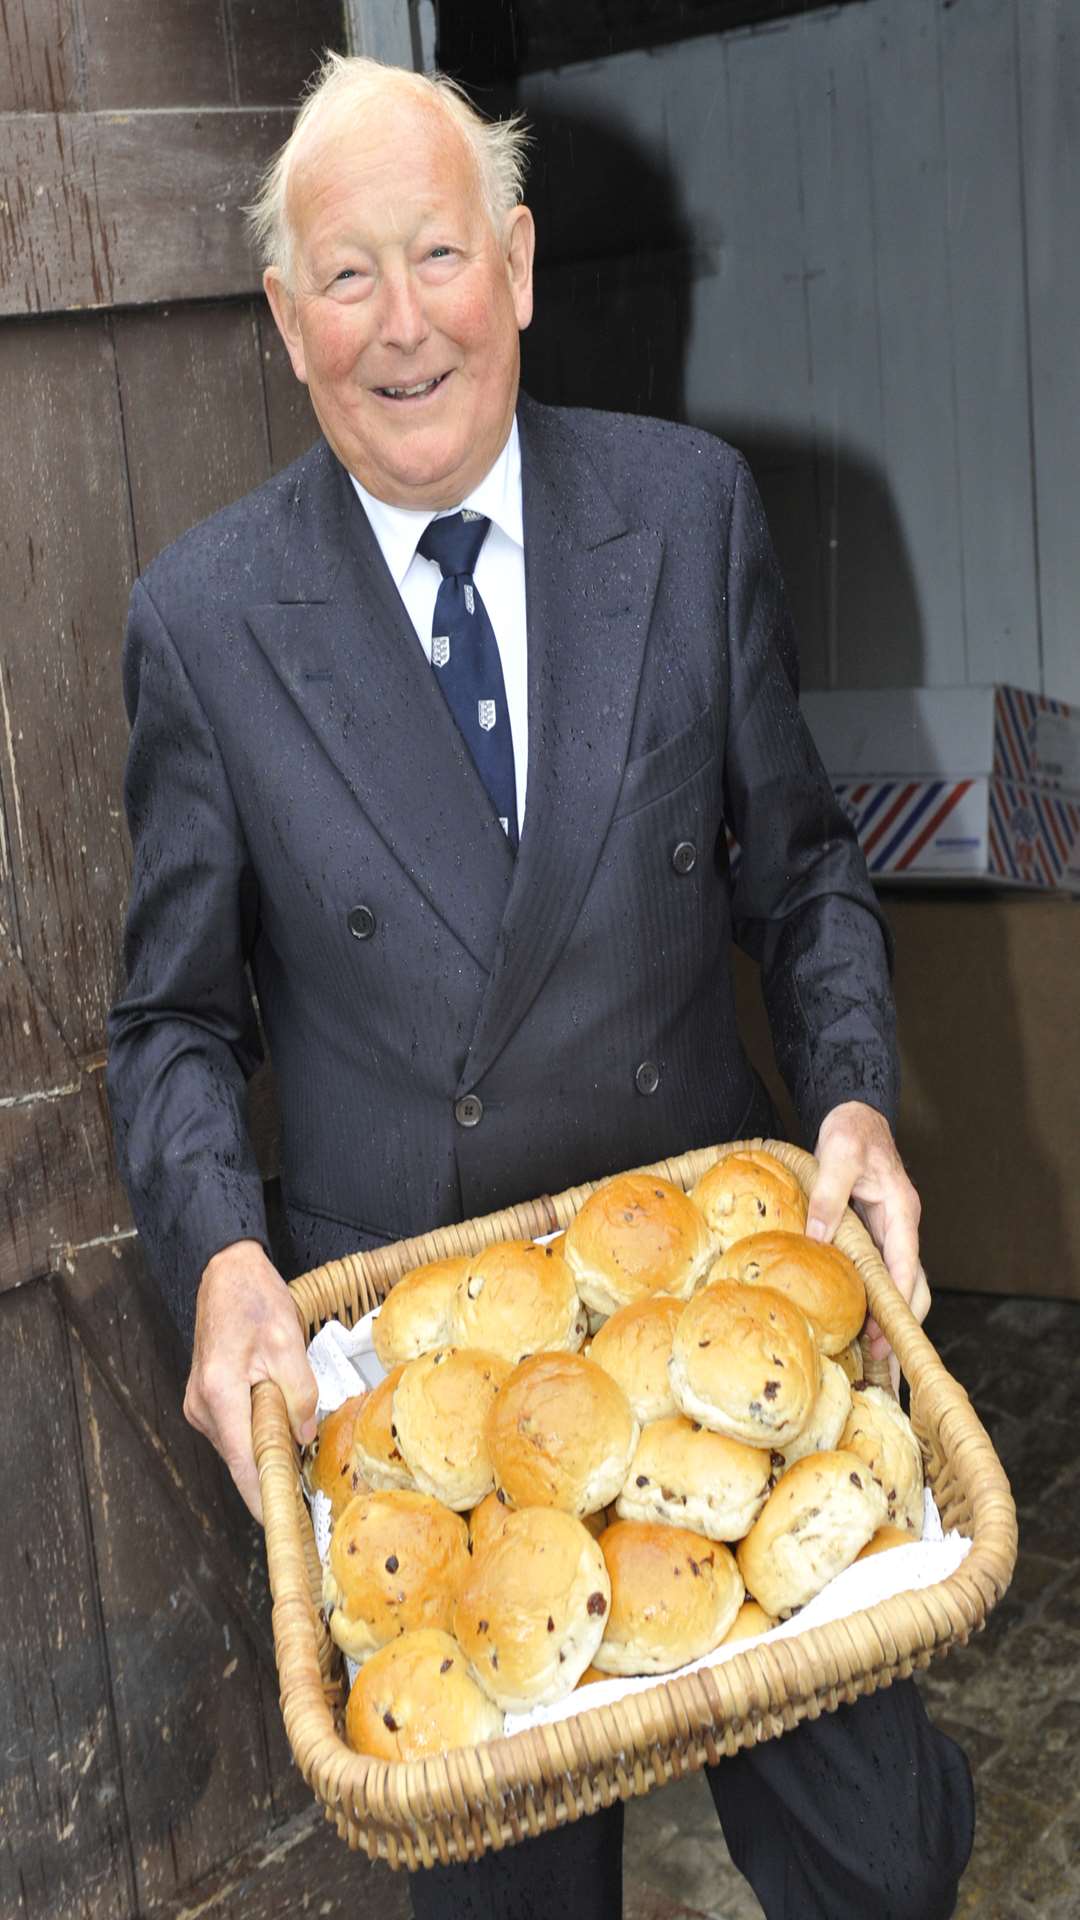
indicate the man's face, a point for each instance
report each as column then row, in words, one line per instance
column 405, row 307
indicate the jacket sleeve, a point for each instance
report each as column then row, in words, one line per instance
column 183, row 1036
column 803, row 904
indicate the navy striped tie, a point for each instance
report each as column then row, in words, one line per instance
column 465, row 658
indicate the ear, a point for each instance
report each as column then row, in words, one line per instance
column 283, row 308
column 519, row 247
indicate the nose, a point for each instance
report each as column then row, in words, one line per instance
column 403, row 322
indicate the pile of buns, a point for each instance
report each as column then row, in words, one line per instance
column 605, row 1455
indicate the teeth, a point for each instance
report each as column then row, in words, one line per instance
column 397, row 393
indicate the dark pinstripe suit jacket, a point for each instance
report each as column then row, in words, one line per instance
column 292, row 758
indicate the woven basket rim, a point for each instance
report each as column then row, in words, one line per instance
column 427, row 1806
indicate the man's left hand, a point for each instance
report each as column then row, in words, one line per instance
column 858, row 1163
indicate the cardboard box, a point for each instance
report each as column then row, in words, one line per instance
column 952, row 732
column 970, row 829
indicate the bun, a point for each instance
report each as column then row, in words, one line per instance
column 440, row 1408
column 879, row 1431
column 561, row 1434
column 852, row 1362
column 516, row 1298
column 744, row 1362
column 415, row 1316
column 827, row 1420
column 690, row 1478
column 634, row 1346
column 821, row 1280
column 416, row 1697
column 749, row 1192
column 396, row 1562
column 486, row 1520
column 884, row 1539
column 823, row 1510
column 532, row 1609
column 328, row 1465
column 637, row 1234
column 377, row 1458
column 749, row 1622
column 673, row 1598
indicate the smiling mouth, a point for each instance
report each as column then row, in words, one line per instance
column 418, row 392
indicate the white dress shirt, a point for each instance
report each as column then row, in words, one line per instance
column 499, row 576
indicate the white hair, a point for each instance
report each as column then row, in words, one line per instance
column 345, row 85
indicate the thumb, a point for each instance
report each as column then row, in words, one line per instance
column 300, row 1389
column 829, row 1195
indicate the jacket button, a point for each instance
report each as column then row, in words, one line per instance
column 361, row 922
column 469, row 1111
column 684, row 857
column 647, row 1077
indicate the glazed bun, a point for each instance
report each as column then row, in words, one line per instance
column 634, row 1346
column 328, row 1465
column 744, row 1362
column 440, row 1409
column 814, row 1523
column 749, row 1192
column 637, row 1234
column 415, row 1316
column 828, row 1417
column 561, row 1434
column 377, row 1458
column 673, row 1598
column 416, row 1697
column 517, row 1298
column 879, row 1431
column 532, row 1609
column 884, row 1540
column 816, row 1276
column 688, row 1477
column 486, row 1520
column 396, row 1562
column 749, row 1622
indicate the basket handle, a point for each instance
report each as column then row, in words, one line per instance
column 296, row 1615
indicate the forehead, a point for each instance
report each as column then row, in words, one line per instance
column 380, row 167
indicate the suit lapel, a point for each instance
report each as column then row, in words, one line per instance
column 590, row 582
column 342, row 644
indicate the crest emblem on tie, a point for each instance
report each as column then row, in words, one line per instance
column 486, row 714
column 440, row 649
column 470, row 599
column 470, row 513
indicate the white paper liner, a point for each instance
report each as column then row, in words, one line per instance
column 345, row 1362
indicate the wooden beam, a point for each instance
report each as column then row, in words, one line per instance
column 122, row 209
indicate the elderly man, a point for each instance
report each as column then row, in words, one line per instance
column 438, row 733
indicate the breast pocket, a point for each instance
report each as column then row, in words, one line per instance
column 668, row 766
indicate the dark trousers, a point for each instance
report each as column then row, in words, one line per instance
column 864, row 1814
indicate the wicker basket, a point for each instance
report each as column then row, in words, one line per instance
column 457, row 1806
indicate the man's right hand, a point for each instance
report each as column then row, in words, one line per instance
column 246, row 1329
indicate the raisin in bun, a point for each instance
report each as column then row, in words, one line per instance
column 634, row 1346
column 879, row 1431
column 818, row 1517
column 828, row 1417
column 744, row 1362
column 749, row 1622
column 816, row 1276
column 415, row 1316
column 673, row 1598
column 396, row 1562
column 749, row 1192
column 686, row 1476
column 416, row 1697
column 440, row 1408
column 329, row 1467
column 637, row 1234
column 561, row 1434
column 532, row 1609
column 377, row 1458
column 516, row 1298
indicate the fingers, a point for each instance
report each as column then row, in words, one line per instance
column 839, row 1165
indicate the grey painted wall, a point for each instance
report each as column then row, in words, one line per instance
column 849, row 243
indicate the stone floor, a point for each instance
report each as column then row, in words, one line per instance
column 1011, row 1697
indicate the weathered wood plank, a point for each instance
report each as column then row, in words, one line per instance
column 65, row 566
column 64, row 1846
column 278, row 44
column 300, row 1867
column 172, row 54
column 291, row 420
column 58, row 1180
column 185, row 1679
column 211, row 445
column 33, row 1057
column 39, row 56
column 108, row 209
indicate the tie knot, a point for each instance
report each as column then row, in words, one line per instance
column 454, row 542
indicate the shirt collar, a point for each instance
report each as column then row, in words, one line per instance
column 498, row 496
